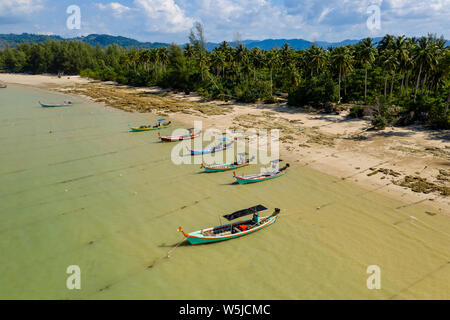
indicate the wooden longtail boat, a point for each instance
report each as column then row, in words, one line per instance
column 65, row 104
column 217, row 148
column 189, row 136
column 261, row 176
column 227, row 167
column 150, row 128
column 233, row 230
column 224, row 167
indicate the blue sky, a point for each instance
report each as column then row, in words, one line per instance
column 171, row 20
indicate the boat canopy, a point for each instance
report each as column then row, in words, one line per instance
column 244, row 212
column 159, row 120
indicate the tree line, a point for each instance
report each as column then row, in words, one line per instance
column 405, row 79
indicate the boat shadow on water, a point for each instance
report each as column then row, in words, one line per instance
column 184, row 243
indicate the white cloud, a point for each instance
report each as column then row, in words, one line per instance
column 116, row 8
column 15, row 8
column 164, row 15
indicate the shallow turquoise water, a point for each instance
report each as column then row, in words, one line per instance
column 76, row 188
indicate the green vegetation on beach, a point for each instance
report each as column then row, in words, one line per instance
column 403, row 80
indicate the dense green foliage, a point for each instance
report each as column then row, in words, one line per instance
column 13, row 40
column 406, row 79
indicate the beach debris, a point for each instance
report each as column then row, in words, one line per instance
column 422, row 185
column 384, row 171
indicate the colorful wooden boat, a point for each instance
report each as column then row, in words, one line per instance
column 224, row 167
column 65, row 104
column 227, row 167
column 217, row 148
column 159, row 126
column 3, row 86
column 261, row 176
column 189, row 136
column 233, row 230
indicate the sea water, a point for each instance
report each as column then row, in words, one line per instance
column 77, row 188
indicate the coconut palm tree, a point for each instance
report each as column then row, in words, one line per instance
column 342, row 60
column 273, row 61
column 423, row 57
column 240, row 55
column 389, row 63
column 366, row 56
column 318, row 58
column 218, row 61
column 257, row 60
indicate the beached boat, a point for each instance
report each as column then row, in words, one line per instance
column 65, row 104
column 219, row 147
column 158, row 126
column 233, row 230
column 189, row 136
column 261, row 176
column 3, row 86
column 226, row 167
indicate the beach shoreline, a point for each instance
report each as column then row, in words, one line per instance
column 391, row 162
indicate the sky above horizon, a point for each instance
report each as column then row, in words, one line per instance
column 171, row 20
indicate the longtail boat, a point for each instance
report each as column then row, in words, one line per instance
column 226, row 167
column 220, row 147
column 261, row 176
column 233, row 230
column 158, row 126
column 189, row 136
column 65, row 104
column 3, row 86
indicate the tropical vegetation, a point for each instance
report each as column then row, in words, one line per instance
column 404, row 80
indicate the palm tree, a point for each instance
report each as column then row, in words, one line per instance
column 240, row 55
column 366, row 56
column 163, row 57
column 273, row 61
column 133, row 57
column 257, row 60
column 342, row 60
column 218, row 61
column 189, row 53
column 423, row 57
column 318, row 58
column 389, row 63
column 203, row 62
column 386, row 43
column 145, row 58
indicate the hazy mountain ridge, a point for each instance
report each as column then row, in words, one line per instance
column 105, row 40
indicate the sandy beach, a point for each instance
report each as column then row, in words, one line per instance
column 411, row 164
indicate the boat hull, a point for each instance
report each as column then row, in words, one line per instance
column 208, row 151
column 218, row 169
column 180, row 138
column 195, row 239
column 243, row 180
column 133, row 129
column 54, row 105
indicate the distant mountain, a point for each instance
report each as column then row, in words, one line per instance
column 105, row 40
